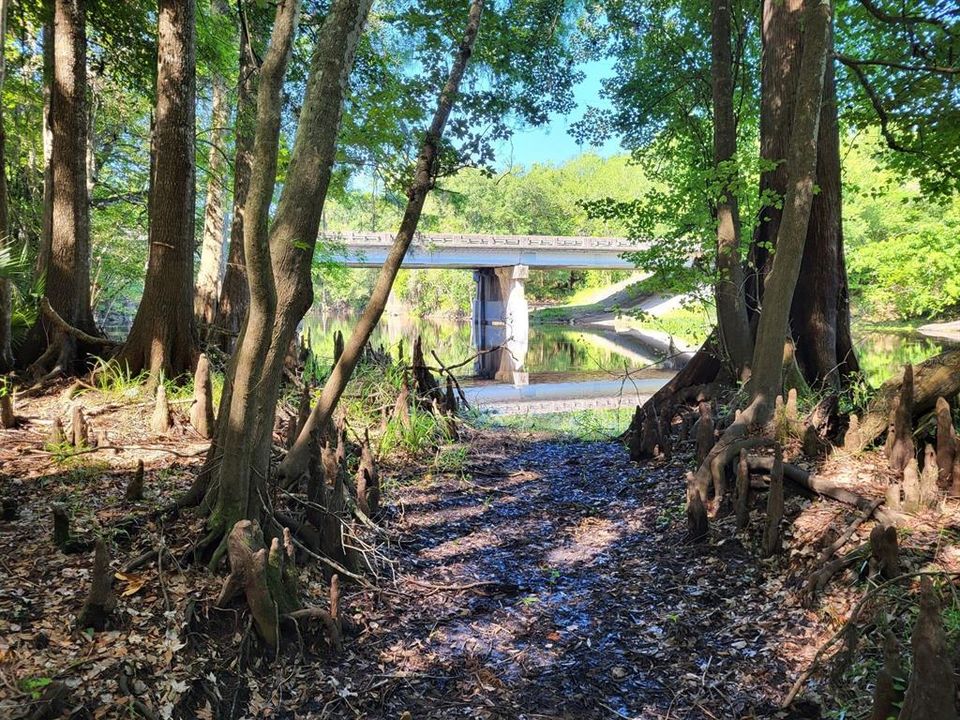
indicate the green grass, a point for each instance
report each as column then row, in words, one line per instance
column 564, row 313
column 115, row 383
column 581, row 425
column 691, row 324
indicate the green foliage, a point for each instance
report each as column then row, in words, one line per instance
column 115, row 380
column 901, row 80
column 690, row 323
column 903, row 248
column 34, row 685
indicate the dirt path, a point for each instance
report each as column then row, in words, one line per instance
column 596, row 608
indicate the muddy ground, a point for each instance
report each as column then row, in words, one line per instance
column 519, row 577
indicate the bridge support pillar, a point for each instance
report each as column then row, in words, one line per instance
column 501, row 320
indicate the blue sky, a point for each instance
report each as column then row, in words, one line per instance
column 552, row 143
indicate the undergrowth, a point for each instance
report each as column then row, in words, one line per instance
column 369, row 401
column 114, row 382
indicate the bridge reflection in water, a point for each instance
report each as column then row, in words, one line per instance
column 567, row 368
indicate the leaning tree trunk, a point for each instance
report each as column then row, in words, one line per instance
column 234, row 477
column 234, row 293
column 67, row 260
column 212, row 239
column 297, row 462
column 820, row 313
column 162, row 339
column 731, row 304
column 767, row 367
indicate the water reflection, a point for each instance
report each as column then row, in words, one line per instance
column 883, row 353
column 554, row 352
column 562, row 353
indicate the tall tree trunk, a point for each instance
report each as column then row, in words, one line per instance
column 296, row 463
column 46, row 231
column 780, row 284
column 67, row 266
column 820, row 316
column 162, row 339
column 731, row 303
column 234, row 294
column 212, row 239
column 278, row 263
column 6, row 300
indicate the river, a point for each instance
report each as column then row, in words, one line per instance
column 576, row 367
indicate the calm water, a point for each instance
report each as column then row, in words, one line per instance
column 554, row 353
column 561, row 353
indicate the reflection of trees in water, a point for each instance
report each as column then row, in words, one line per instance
column 882, row 354
column 555, row 348
column 551, row 348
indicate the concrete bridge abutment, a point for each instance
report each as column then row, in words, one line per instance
column 501, row 322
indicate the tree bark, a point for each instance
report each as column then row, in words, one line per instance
column 767, row 367
column 162, row 339
column 67, row 260
column 732, row 319
column 820, row 313
column 46, row 240
column 781, row 282
column 6, row 304
column 212, row 240
column 278, row 262
column 234, row 293
column 297, row 461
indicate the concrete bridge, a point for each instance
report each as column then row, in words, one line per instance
column 471, row 252
column 501, row 265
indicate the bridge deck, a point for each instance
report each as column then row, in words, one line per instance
column 359, row 249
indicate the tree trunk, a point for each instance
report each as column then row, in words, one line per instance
column 234, row 293
column 296, row 463
column 820, row 314
column 212, row 242
column 6, row 306
column 162, row 338
column 46, row 240
column 278, row 262
column 767, row 367
column 731, row 304
column 67, row 261
column 781, row 281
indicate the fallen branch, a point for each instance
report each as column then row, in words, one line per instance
column 828, row 489
column 444, row 370
column 451, row 588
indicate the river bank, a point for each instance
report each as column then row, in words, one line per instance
column 515, row 575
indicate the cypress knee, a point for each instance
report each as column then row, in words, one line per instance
column 931, row 688
column 946, row 443
column 771, row 534
column 903, row 448
column 697, row 523
column 201, row 413
column 100, row 600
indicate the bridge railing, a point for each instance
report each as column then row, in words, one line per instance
column 427, row 240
